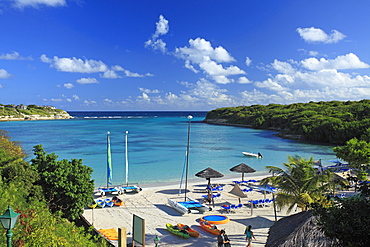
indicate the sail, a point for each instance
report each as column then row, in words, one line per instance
column 109, row 162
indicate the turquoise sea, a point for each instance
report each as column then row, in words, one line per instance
column 157, row 143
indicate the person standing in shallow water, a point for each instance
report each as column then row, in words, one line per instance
column 248, row 235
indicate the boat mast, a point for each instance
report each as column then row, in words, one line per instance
column 126, row 159
column 187, row 156
column 109, row 161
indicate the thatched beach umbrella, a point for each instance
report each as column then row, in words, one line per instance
column 242, row 168
column 209, row 173
column 297, row 230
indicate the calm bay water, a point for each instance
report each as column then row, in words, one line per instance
column 157, row 144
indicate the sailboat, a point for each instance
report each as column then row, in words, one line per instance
column 128, row 188
column 109, row 189
column 188, row 204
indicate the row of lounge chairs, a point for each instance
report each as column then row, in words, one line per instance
column 261, row 203
column 215, row 188
column 231, row 208
column 214, row 196
column 251, row 181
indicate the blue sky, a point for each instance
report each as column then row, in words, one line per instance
column 182, row 55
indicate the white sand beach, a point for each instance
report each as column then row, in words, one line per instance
column 151, row 204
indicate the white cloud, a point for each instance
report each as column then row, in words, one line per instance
column 110, row 74
column 13, row 56
column 75, row 64
column 349, row 61
column 88, row 80
column 200, row 53
column 154, row 42
column 283, row 67
column 90, row 102
column 1, row 86
column 243, row 80
column 68, row 85
column 316, row 35
column 37, row 3
column 75, row 97
column 4, row 74
column 144, row 97
column 145, row 90
column 56, row 100
column 248, row 61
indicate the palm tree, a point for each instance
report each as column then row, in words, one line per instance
column 299, row 184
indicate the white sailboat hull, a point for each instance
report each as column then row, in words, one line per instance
column 186, row 207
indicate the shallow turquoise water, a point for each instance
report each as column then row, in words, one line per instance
column 157, row 144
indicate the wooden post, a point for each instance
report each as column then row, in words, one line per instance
column 122, row 238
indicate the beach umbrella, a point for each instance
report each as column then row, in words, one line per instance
column 242, row 168
column 266, row 188
column 209, row 173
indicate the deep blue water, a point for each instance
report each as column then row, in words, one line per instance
column 157, row 143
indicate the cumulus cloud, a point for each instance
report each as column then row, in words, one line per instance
column 88, row 66
column 200, row 55
column 311, row 80
column 110, row 74
column 68, row 85
column 316, row 35
column 75, row 97
column 243, row 80
column 349, row 61
column 4, row 74
column 75, row 64
column 87, row 81
column 248, row 61
column 37, row 3
column 154, row 42
column 13, row 56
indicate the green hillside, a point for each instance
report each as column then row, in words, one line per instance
column 331, row 122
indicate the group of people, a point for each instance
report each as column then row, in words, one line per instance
column 224, row 241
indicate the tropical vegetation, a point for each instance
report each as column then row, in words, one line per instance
column 301, row 185
column 45, row 218
column 331, row 122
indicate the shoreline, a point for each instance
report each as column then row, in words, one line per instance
column 151, row 205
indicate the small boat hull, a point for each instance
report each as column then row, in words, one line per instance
column 117, row 202
column 100, row 203
column 177, row 232
column 189, row 230
column 92, row 205
column 209, row 228
column 252, row 155
column 108, row 202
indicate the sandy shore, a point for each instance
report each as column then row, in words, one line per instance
column 151, row 204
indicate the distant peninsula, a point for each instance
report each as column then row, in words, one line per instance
column 31, row 112
column 333, row 122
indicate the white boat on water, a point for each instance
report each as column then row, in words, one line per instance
column 258, row 155
column 185, row 207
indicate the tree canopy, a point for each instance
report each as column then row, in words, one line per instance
column 332, row 122
column 300, row 184
column 22, row 188
column 67, row 185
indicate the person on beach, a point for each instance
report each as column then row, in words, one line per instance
column 223, row 240
column 248, row 235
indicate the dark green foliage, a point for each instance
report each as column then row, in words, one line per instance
column 36, row 225
column 332, row 122
column 67, row 185
column 348, row 221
